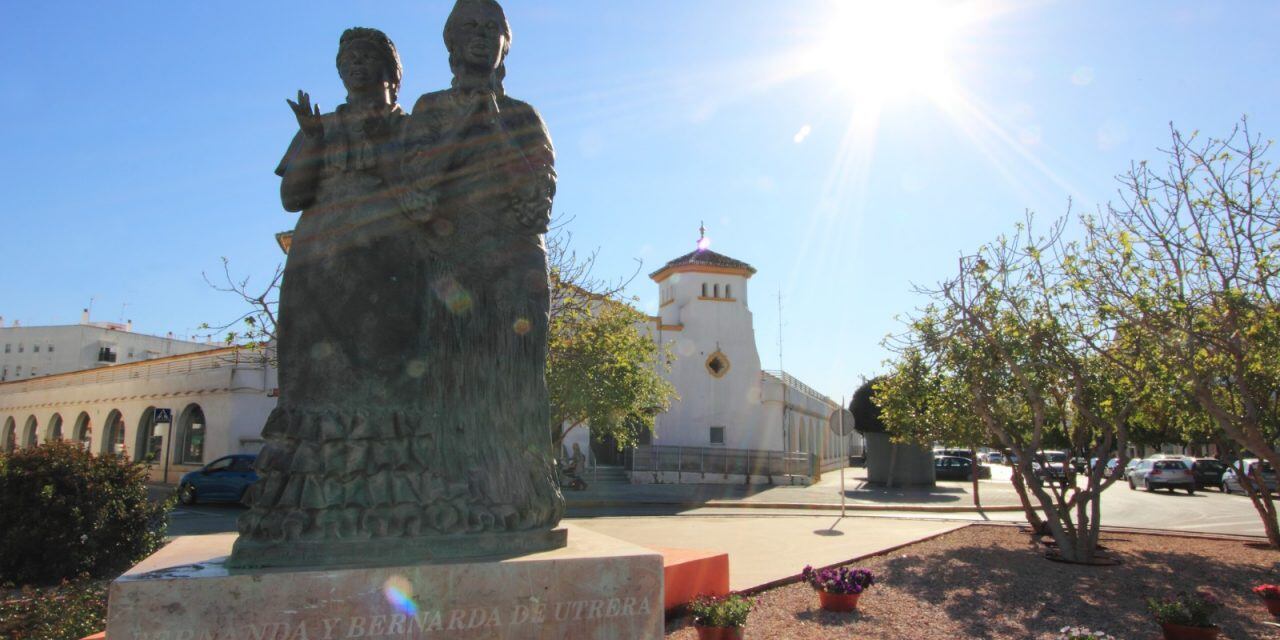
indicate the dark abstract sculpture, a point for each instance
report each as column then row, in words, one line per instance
column 412, row 422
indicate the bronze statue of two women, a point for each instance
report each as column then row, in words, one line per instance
column 413, row 419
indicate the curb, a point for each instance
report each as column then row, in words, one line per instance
column 733, row 504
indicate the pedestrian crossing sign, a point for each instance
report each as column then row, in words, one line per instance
column 163, row 415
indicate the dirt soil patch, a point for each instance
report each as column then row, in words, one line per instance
column 990, row 582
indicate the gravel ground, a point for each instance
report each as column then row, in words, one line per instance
column 990, row 582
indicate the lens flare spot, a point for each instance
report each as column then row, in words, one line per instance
column 399, row 592
column 453, row 295
column 522, row 326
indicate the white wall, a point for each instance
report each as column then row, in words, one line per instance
column 234, row 391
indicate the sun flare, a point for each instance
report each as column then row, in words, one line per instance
column 883, row 50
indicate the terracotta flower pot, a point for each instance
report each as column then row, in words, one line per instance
column 1180, row 632
column 1273, row 605
column 839, row 601
column 718, row 633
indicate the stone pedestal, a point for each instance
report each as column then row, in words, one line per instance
column 597, row 587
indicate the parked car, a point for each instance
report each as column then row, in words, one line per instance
column 1051, row 466
column 1114, row 469
column 1208, row 472
column 1128, row 468
column 957, row 468
column 1080, row 464
column 1162, row 474
column 223, row 480
column 1231, row 479
column 959, row 453
column 995, row 457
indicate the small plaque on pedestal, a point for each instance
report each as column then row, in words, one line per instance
column 596, row 587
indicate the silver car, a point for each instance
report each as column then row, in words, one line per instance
column 1167, row 474
column 1231, row 477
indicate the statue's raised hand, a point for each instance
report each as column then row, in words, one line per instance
column 308, row 115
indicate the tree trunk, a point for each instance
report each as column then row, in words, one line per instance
column 977, row 500
column 1260, row 496
column 1038, row 527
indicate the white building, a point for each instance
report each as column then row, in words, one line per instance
column 726, row 400
column 100, row 384
column 219, row 399
column 28, row 352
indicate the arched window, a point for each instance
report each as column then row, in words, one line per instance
column 150, row 440
column 29, row 437
column 10, row 435
column 113, row 434
column 715, row 291
column 704, row 289
column 53, row 431
column 191, row 432
column 726, row 292
column 83, row 430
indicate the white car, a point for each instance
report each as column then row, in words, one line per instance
column 1231, row 479
column 1163, row 474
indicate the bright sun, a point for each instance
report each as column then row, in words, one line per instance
column 885, row 50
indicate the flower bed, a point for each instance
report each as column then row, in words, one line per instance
column 989, row 582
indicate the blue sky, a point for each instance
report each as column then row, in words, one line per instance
column 139, row 138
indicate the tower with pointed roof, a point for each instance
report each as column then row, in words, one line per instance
column 705, row 319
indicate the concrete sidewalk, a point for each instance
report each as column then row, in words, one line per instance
column 765, row 549
column 996, row 494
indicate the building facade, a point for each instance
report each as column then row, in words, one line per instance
column 218, row 401
column 29, row 352
column 727, row 402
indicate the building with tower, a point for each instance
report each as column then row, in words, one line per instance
column 727, row 401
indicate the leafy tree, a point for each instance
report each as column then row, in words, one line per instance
column 1188, row 263
column 1009, row 342
column 603, row 370
column 927, row 405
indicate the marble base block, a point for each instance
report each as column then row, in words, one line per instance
column 596, row 587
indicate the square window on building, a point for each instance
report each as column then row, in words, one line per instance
column 717, row 435
column 50, row 348
column 6, row 348
column 19, row 347
column 35, row 348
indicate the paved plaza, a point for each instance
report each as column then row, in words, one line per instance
column 771, row 533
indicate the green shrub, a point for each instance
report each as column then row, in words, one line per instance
column 65, row 513
column 67, row 612
column 729, row 611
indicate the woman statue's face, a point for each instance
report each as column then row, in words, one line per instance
column 479, row 36
column 360, row 66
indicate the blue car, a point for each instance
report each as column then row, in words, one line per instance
column 223, row 480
